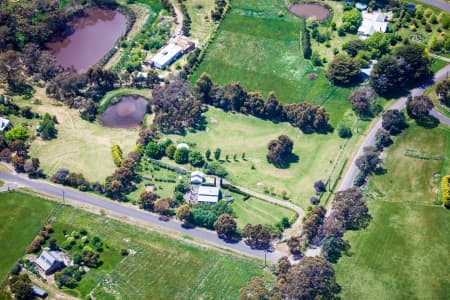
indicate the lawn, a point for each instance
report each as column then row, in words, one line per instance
column 430, row 92
column 202, row 25
column 258, row 44
column 238, row 133
column 21, row 217
column 161, row 268
column 404, row 252
column 81, row 146
column 256, row 211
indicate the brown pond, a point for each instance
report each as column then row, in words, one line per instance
column 127, row 113
column 93, row 36
column 307, row 10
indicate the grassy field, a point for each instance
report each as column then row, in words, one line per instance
column 258, row 44
column 404, row 252
column 202, row 25
column 81, row 146
column 161, row 268
column 21, row 217
column 237, row 133
column 256, row 211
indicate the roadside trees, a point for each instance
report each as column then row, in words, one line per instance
column 419, row 107
column 225, row 226
column 256, row 236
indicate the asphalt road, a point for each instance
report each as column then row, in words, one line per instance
column 132, row 213
column 439, row 4
column 349, row 177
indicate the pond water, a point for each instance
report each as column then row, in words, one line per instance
column 307, row 10
column 127, row 113
column 93, row 36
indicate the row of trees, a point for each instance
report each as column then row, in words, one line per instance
column 234, row 97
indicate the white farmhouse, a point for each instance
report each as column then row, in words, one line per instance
column 197, row 177
column 372, row 22
column 208, row 194
column 166, row 56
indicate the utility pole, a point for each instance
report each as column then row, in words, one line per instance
column 63, row 197
column 265, row 258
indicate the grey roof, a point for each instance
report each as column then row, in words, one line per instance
column 47, row 259
column 38, row 291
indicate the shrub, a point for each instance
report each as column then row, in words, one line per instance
column 117, row 155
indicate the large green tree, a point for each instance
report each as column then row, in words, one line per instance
column 343, row 70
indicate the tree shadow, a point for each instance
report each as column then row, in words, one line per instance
column 291, row 159
column 429, row 122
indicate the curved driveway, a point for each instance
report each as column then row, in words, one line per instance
column 437, row 3
column 132, row 213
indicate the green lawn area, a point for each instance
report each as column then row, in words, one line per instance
column 403, row 254
column 238, row 133
column 258, row 44
column 81, row 146
column 21, row 218
column 430, row 92
column 202, row 25
column 256, row 211
column 161, row 268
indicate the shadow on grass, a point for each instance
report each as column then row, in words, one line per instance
column 429, row 122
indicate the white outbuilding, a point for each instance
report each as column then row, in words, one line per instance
column 166, row 56
column 372, row 22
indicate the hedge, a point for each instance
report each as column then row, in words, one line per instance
column 446, row 191
column 305, row 40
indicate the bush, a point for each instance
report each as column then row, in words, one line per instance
column 117, row 155
column 215, row 168
column 344, row 131
column 181, row 155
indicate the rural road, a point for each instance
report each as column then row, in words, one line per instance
column 369, row 140
column 179, row 15
column 131, row 213
column 437, row 3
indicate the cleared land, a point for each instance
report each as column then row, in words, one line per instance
column 238, row 133
column 202, row 25
column 81, row 146
column 21, row 217
column 404, row 252
column 161, row 268
column 256, row 211
column 258, row 44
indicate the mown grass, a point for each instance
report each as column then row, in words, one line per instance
column 258, row 44
column 81, row 146
column 21, row 218
column 404, row 252
column 256, row 211
column 161, row 268
column 202, row 25
column 237, row 133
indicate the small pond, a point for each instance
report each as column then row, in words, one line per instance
column 127, row 113
column 93, row 35
column 307, row 10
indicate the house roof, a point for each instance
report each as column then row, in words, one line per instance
column 38, row 291
column 374, row 16
column 183, row 145
column 372, row 22
column 47, row 259
column 208, row 194
column 3, row 123
column 166, row 54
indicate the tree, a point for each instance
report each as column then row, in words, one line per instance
column 170, row 151
column 20, row 286
column 225, row 227
column 217, row 154
column 256, row 236
column 443, row 91
column 66, row 85
column 362, row 100
column 382, row 139
column 203, row 87
column 162, row 206
column 311, row 278
column 181, row 155
column 295, row 245
column 332, row 247
column 351, row 208
column 216, row 168
column 280, row 150
column 208, row 155
column 320, row 187
column 378, row 44
column 394, row 121
column 18, row 163
column 419, row 107
column 351, row 20
column 255, row 290
column 147, row 200
column 313, row 223
column 184, row 214
column 17, row 133
column 416, row 62
column 154, row 150
column 369, row 162
column 353, row 47
column 386, row 75
column 196, row 159
column 47, row 127
column 236, row 95
column 343, row 70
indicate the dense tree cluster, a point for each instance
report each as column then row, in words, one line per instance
column 47, row 128
column 205, row 215
column 363, row 102
column 234, row 97
column 20, row 286
column 351, row 20
column 280, row 151
column 176, row 110
column 219, row 9
column 419, row 107
column 343, row 70
column 407, row 66
column 226, row 227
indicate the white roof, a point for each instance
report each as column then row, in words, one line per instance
column 208, row 194
column 374, row 16
column 183, row 145
column 3, row 123
column 370, row 27
column 163, row 57
column 47, row 259
column 142, row 75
